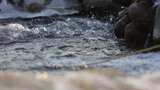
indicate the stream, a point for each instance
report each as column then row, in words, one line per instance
column 58, row 44
column 62, row 44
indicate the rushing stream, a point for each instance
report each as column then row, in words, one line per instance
column 67, row 44
column 64, row 43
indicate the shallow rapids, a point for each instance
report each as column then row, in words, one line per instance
column 62, row 44
column 67, row 44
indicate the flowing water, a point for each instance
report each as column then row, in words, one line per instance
column 66, row 43
column 60, row 44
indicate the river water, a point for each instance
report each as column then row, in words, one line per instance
column 62, row 44
column 69, row 43
column 59, row 44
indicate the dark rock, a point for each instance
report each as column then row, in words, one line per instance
column 99, row 7
column 120, row 26
column 134, row 38
column 136, row 24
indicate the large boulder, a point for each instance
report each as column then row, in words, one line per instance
column 136, row 26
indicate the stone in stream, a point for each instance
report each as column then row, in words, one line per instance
column 137, row 24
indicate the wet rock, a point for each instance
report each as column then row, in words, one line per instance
column 100, row 7
column 119, row 27
column 136, row 26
